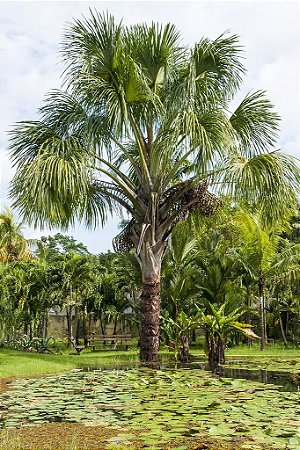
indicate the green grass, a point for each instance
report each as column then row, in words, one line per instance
column 21, row 364
column 273, row 358
column 271, row 350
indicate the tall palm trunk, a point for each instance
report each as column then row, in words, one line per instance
column 151, row 258
column 30, row 330
column 84, row 325
column 287, row 321
column 185, row 349
column 248, row 304
column 70, row 326
column 263, row 321
column 46, row 323
column 150, row 320
column 26, row 325
column 282, row 329
column 115, row 324
column 216, row 352
column 75, row 328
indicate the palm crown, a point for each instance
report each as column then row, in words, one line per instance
column 139, row 113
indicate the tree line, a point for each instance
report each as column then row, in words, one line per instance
column 225, row 280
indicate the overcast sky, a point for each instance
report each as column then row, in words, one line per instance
column 30, row 64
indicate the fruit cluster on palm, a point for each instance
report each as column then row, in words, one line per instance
column 144, row 125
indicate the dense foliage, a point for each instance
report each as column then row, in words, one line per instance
column 213, row 281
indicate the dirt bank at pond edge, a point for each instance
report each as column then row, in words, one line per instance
column 60, row 436
column 4, row 384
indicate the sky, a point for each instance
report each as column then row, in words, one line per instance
column 30, row 65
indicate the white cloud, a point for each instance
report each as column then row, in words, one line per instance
column 292, row 147
column 28, row 71
column 7, row 171
column 281, row 78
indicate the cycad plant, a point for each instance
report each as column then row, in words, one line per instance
column 178, row 331
column 144, row 125
column 219, row 323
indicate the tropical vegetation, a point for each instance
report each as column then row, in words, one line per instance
column 145, row 126
column 209, row 291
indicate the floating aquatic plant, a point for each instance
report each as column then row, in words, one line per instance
column 157, row 406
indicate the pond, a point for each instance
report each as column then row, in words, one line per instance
column 287, row 381
column 159, row 406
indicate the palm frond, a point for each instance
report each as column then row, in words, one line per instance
column 218, row 67
column 269, row 180
column 66, row 114
column 92, row 46
column 157, row 49
column 255, row 123
column 54, row 177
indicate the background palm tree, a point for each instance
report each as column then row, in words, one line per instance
column 266, row 257
column 179, row 274
column 73, row 274
column 13, row 245
column 144, row 125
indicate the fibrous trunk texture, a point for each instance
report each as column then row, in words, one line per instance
column 216, row 352
column 150, row 318
column 185, row 350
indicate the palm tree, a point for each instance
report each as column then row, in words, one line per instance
column 178, row 331
column 178, row 287
column 218, row 277
column 34, row 295
column 6, row 305
column 143, row 126
column 73, row 276
column 266, row 257
column 13, row 245
column 14, row 289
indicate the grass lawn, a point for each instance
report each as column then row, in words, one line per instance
column 274, row 358
column 270, row 351
column 22, row 364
